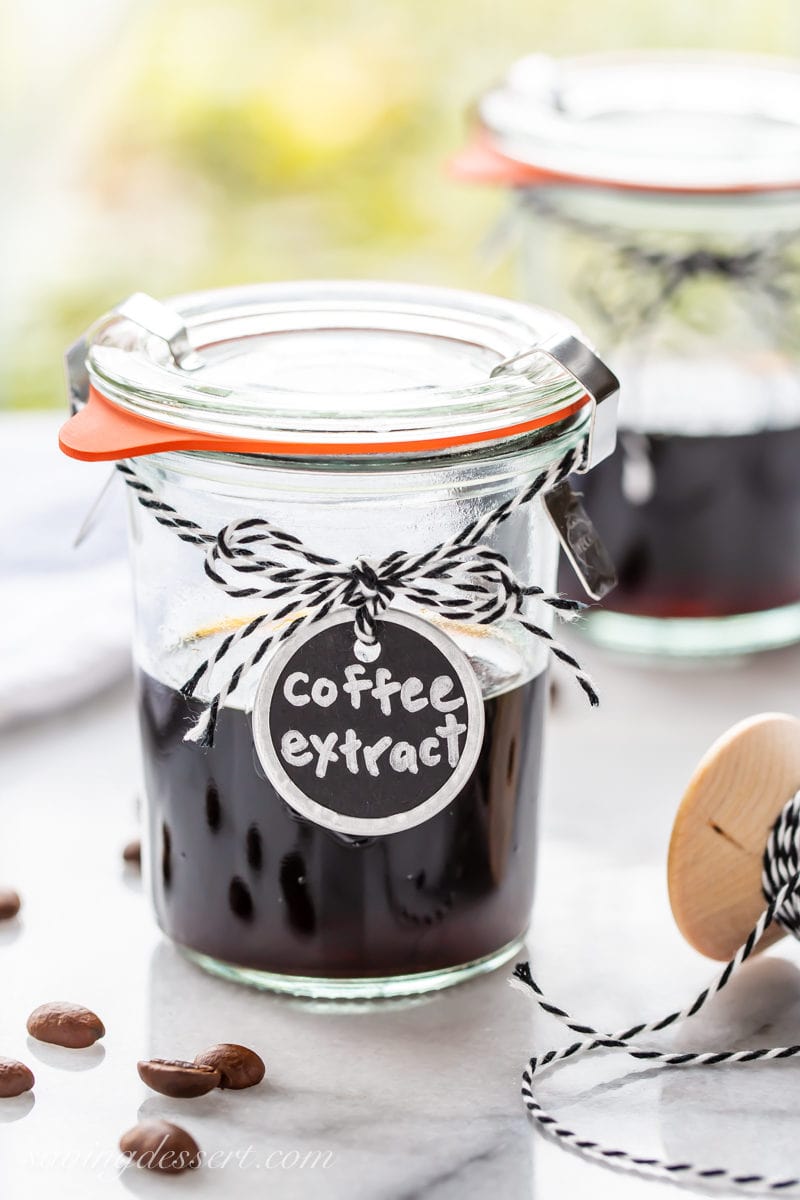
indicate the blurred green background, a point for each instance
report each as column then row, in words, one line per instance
column 165, row 145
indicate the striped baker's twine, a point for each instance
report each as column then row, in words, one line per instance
column 461, row 579
column 781, row 886
column 767, row 269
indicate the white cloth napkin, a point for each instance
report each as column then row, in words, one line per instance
column 65, row 613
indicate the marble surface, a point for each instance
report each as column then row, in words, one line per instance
column 404, row 1099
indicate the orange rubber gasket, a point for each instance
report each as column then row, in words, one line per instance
column 481, row 162
column 102, row 432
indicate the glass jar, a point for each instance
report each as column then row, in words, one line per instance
column 357, row 420
column 660, row 207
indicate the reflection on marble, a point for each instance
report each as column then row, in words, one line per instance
column 384, row 1087
column 17, row 1107
column 708, row 1116
column 66, row 1058
column 10, row 931
column 411, row 1099
column 740, row 1117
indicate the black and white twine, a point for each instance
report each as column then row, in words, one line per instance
column 766, row 268
column 461, row 579
column 781, row 887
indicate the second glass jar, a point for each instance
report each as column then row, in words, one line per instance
column 659, row 202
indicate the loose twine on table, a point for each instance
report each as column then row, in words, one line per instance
column 460, row 579
column 780, row 883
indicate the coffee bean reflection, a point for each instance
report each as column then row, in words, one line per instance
column 294, row 886
column 213, row 808
column 166, row 855
column 255, row 851
column 240, row 900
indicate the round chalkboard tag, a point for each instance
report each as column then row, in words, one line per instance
column 368, row 747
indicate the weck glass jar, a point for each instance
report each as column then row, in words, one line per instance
column 349, row 815
column 659, row 202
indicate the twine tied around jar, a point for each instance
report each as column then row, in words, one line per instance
column 768, row 268
column 780, row 884
column 460, row 579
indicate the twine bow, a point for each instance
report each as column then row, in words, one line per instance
column 461, row 579
column 634, row 285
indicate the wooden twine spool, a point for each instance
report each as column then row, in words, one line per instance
column 721, row 830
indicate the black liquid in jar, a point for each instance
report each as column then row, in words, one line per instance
column 239, row 876
column 718, row 534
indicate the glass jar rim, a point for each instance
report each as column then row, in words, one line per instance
column 695, row 121
column 335, row 367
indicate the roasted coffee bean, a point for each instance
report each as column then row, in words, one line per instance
column 65, row 1024
column 238, row 1066
column 160, row 1146
column 15, row 1078
column 10, row 903
column 174, row 1077
column 133, row 853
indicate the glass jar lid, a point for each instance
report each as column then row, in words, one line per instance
column 677, row 121
column 322, row 368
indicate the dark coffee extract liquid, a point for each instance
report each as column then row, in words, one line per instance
column 239, row 876
column 719, row 533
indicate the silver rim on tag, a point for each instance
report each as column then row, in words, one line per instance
column 366, row 826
